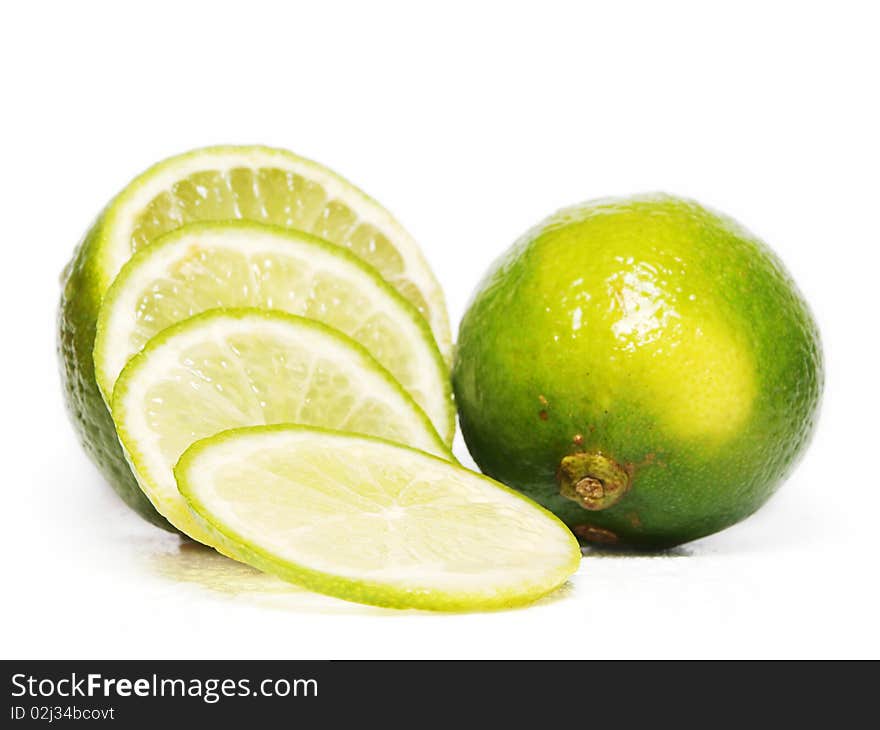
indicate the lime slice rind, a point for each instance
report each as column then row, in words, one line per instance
column 203, row 266
column 367, row 520
column 230, row 368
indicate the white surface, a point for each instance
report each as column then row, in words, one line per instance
column 470, row 122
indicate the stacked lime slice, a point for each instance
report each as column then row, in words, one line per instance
column 383, row 524
column 239, row 264
column 256, row 354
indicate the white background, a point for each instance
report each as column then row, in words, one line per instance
column 470, row 121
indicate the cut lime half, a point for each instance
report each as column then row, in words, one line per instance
column 230, row 368
column 370, row 521
column 204, row 266
column 270, row 186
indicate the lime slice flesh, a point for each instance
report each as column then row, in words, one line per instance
column 229, row 368
column 374, row 522
column 274, row 186
column 204, row 266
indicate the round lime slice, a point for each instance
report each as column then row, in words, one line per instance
column 204, row 266
column 275, row 186
column 371, row 521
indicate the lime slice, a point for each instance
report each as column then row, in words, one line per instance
column 370, row 521
column 246, row 367
column 270, row 186
column 241, row 264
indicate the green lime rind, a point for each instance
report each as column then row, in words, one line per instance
column 155, row 483
column 152, row 262
column 404, row 593
column 81, row 295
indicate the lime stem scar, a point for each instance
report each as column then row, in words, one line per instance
column 593, row 480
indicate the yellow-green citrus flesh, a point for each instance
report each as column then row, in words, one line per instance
column 371, row 521
column 218, row 183
column 645, row 368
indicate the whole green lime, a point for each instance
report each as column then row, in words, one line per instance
column 644, row 367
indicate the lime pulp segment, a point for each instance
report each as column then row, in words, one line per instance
column 374, row 522
column 242, row 264
column 232, row 368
